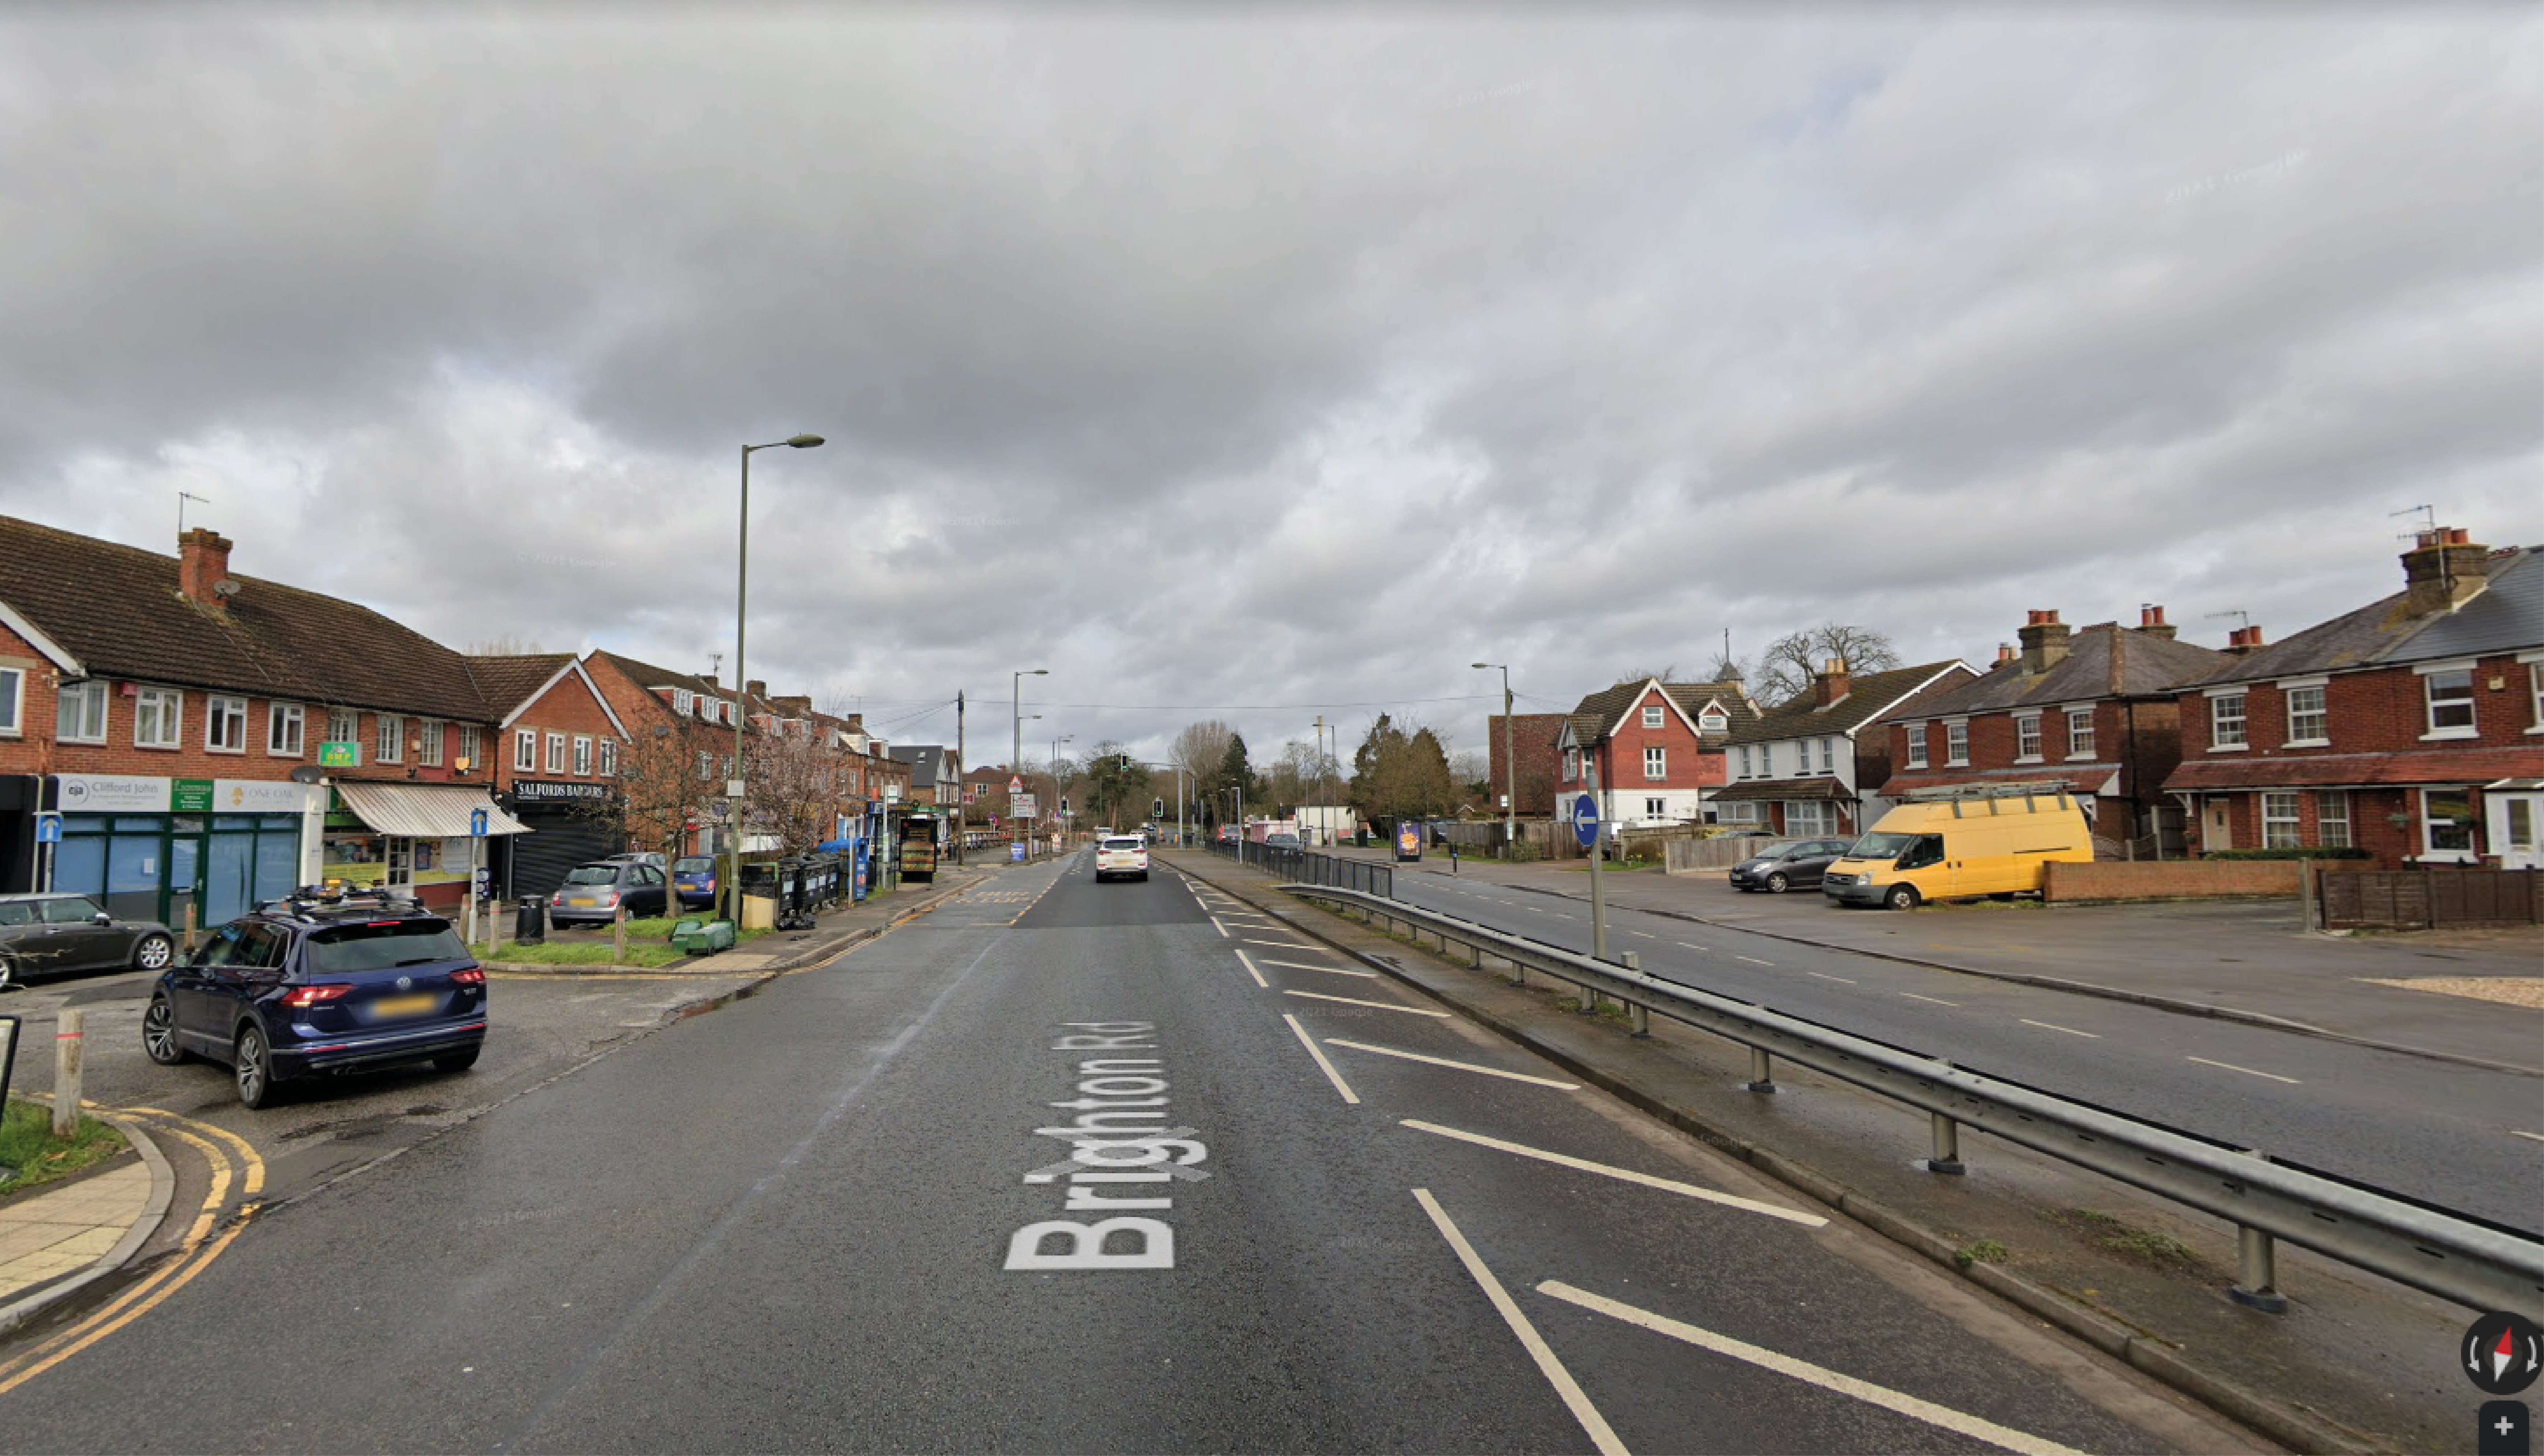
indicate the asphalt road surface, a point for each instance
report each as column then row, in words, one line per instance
column 1068, row 1167
column 2460, row 1137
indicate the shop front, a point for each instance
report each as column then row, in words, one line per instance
column 155, row 849
column 411, row 838
column 571, row 823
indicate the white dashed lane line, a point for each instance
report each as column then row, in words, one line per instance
column 2529, row 1136
column 1754, row 960
column 2247, row 1071
column 2070, row 1030
column 1222, row 930
column 1249, row 962
column 1692, row 945
column 1841, row 981
column 1938, row 1000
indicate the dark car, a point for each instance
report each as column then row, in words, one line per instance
column 693, row 880
column 594, row 892
column 302, row 989
column 1794, row 867
column 57, row 934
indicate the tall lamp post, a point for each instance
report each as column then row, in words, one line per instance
column 1016, row 710
column 1053, row 810
column 733, row 787
column 1510, row 765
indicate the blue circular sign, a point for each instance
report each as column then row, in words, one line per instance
column 1585, row 820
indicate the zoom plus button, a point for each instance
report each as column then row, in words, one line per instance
column 2503, row 1432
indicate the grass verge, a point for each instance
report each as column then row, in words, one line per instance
column 34, row 1157
column 2162, row 1250
column 647, row 948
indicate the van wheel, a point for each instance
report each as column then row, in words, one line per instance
column 1900, row 897
column 1776, row 883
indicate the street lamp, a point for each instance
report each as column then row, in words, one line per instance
column 1055, row 770
column 732, row 787
column 1510, row 765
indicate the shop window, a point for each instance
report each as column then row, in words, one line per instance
column 158, row 717
column 607, row 767
column 556, row 754
column 2450, row 703
column 582, row 756
column 392, row 738
column 526, row 751
column 468, row 739
column 79, row 712
column 2226, row 721
column 285, row 729
column 2080, row 732
column 2307, row 720
column 1916, row 746
column 429, row 730
column 1956, row 745
column 1656, row 763
column 2280, row 828
column 12, row 702
column 2447, row 823
column 2331, row 818
column 2027, row 737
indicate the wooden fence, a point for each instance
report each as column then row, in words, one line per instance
column 2431, row 899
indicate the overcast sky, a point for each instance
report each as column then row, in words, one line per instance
column 1277, row 358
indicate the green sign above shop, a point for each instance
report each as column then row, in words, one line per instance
column 190, row 796
column 340, row 755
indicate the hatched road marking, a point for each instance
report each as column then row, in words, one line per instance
column 1535, row 1343
column 1442, row 1061
column 1284, row 945
column 1327, row 969
column 1622, row 1175
column 1222, row 930
column 1249, row 962
column 1323, row 1062
column 1372, row 1005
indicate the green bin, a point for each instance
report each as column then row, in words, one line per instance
column 702, row 937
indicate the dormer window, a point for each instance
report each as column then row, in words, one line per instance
column 684, row 702
column 1714, row 721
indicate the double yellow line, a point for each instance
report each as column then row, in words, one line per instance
column 233, row 1163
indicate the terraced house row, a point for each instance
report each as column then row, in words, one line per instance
column 210, row 739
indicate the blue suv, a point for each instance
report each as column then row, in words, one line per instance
column 306, row 986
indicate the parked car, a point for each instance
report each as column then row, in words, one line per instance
column 305, row 988
column 1122, row 857
column 636, row 857
column 1281, row 841
column 594, row 892
column 693, row 880
column 1792, row 867
column 57, row 933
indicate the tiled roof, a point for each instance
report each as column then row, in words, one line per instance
column 1593, row 716
column 2087, row 777
column 2508, row 615
column 508, row 682
column 1867, row 697
column 2341, row 770
column 2103, row 661
column 1781, row 790
column 923, row 760
column 117, row 609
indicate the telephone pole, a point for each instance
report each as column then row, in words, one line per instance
column 962, row 807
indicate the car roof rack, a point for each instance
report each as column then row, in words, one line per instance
column 1956, row 795
column 335, row 897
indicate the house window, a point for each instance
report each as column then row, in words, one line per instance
column 468, row 745
column 1828, row 755
column 1739, row 811
column 2450, row 696
column 582, row 756
column 1956, row 745
column 2331, row 818
column 556, row 754
column 1651, row 714
column 2446, row 822
column 1656, row 809
column 2536, row 690
column 2306, row 720
column 79, row 712
column 392, row 738
column 344, row 725
column 12, row 702
column 285, row 729
column 684, row 702
column 431, row 753
column 2279, row 821
column 1811, row 819
column 526, row 751
column 2080, row 732
column 225, row 725
column 2226, row 721
column 2027, row 737
column 158, row 717
column 1916, row 746
column 1656, row 763
column 1712, row 720
column 609, row 766
column 706, row 767
column 1572, row 764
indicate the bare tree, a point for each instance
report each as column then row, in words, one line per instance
column 1784, row 672
column 662, row 790
column 1202, row 747
column 1666, row 672
column 796, row 785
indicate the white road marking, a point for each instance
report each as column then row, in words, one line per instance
column 1222, row 930
column 1692, row 945
column 1943, row 1416
column 1535, row 1343
column 1372, row 1005
column 1249, row 962
column 1323, row 1062
column 1622, row 1175
column 1938, row 1000
column 2247, row 1071
column 1841, row 981
column 1284, row 945
column 1752, row 959
column 1327, row 969
column 2529, row 1136
column 1442, row 1061
column 2070, row 1030
column 1645, row 934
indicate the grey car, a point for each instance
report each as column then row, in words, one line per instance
column 57, row 933
column 1794, row 867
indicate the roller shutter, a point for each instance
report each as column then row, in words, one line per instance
column 559, row 839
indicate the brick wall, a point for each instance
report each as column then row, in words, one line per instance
column 569, row 708
column 1540, row 764
column 2380, row 711
column 2171, row 879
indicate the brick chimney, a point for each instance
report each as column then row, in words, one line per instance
column 2444, row 571
column 2151, row 622
column 2045, row 642
column 2004, row 654
column 202, row 563
column 1830, row 683
column 710, row 681
column 856, row 723
column 756, row 688
column 2243, row 642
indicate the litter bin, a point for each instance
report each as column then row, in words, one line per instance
column 760, row 901
column 530, row 925
column 695, row 936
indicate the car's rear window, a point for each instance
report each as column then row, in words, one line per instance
column 692, row 864
column 593, row 875
column 349, row 949
column 1124, row 844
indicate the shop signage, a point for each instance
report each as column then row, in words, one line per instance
column 554, row 790
column 340, row 755
column 95, row 793
column 256, row 796
column 190, row 796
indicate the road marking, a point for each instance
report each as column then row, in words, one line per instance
column 2529, row 1136
column 1645, row 934
column 1532, row 1342
column 1222, row 930
column 1442, row 1061
column 1249, row 962
column 2247, row 1071
column 1372, row 1005
column 1327, row 969
column 1943, row 1416
column 1323, row 1062
column 1841, row 981
column 1938, row 1000
column 1535, row 909
column 2070, row 1030
column 1692, row 945
column 1752, row 959
column 1622, row 1175
column 1284, row 945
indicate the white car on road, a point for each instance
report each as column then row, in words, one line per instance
column 1123, row 855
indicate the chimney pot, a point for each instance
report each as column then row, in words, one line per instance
column 2044, row 641
column 202, row 564
column 2444, row 571
column 2004, row 653
column 1830, row 683
column 2151, row 622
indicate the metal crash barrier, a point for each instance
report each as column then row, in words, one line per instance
column 1307, row 866
column 2470, row 1262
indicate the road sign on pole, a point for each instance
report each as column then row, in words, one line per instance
column 1585, row 820
column 476, row 824
column 48, row 827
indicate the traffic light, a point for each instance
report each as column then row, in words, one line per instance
column 1064, row 804
column 1157, row 809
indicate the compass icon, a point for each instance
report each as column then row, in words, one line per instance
column 2502, row 1353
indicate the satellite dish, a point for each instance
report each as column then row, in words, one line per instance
column 309, row 773
column 226, row 586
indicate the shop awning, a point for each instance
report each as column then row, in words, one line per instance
column 425, row 810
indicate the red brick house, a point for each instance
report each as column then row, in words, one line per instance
column 212, row 740
column 1533, row 738
column 2412, row 727
column 1657, row 747
column 556, row 761
column 1801, row 768
column 2093, row 709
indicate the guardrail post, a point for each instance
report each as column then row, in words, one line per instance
column 1948, row 1147
column 1762, row 1070
column 2257, row 1257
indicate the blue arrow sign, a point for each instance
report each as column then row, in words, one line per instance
column 476, row 824
column 1585, row 820
column 48, row 828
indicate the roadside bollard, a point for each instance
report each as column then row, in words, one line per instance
column 494, row 928
column 70, row 1036
column 190, row 929
column 618, row 937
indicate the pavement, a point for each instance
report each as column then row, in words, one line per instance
column 50, row 1237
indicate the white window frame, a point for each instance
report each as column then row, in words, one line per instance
column 2081, row 747
column 225, row 723
column 348, row 719
column 2282, row 819
column 390, row 737
column 2429, row 674
column 12, row 702
column 2321, row 714
column 2221, row 722
column 165, row 705
column 1656, row 809
column 583, row 755
column 1916, row 746
column 1957, row 742
column 286, row 730
column 706, row 767
column 2324, row 831
column 470, row 742
column 556, row 755
column 429, row 752
column 2428, row 828
column 1651, row 714
column 2535, row 690
column 2027, row 737
column 607, row 764
column 79, row 698
column 1712, row 720
column 1655, row 764
column 1571, row 765
column 1810, row 819
column 525, row 750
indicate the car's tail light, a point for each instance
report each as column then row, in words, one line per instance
column 609, row 898
column 301, row 998
column 468, row 975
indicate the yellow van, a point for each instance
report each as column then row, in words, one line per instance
column 1961, row 843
